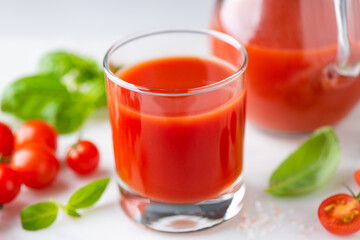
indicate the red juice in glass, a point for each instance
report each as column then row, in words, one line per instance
column 178, row 128
column 178, row 157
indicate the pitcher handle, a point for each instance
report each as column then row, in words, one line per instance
column 342, row 66
column 342, row 73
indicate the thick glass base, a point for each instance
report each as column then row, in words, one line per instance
column 167, row 217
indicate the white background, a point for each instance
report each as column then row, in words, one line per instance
column 29, row 28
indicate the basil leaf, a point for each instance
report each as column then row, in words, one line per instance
column 88, row 195
column 70, row 114
column 64, row 93
column 38, row 216
column 309, row 167
column 72, row 213
column 31, row 93
column 44, row 96
column 78, row 74
column 61, row 63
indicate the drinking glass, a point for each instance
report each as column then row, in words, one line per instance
column 178, row 151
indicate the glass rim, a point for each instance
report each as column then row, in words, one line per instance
column 175, row 92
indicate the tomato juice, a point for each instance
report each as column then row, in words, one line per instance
column 290, row 44
column 178, row 148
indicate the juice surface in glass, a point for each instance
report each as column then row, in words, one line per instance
column 177, row 149
column 290, row 43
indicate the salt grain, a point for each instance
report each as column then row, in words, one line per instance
column 263, row 222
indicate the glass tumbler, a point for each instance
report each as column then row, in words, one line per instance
column 177, row 112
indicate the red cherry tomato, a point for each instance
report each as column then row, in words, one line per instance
column 36, row 131
column 340, row 214
column 6, row 140
column 10, row 184
column 357, row 177
column 36, row 165
column 83, row 157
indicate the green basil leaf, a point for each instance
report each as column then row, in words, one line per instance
column 65, row 92
column 88, row 195
column 96, row 89
column 44, row 96
column 309, row 167
column 72, row 213
column 70, row 114
column 62, row 63
column 38, row 216
column 78, row 74
column 31, row 93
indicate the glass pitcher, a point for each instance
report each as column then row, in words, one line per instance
column 303, row 70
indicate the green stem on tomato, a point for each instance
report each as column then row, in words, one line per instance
column 78, row 141
column 4, row 159
column 357, row 197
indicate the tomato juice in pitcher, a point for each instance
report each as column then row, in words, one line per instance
column 291, row 45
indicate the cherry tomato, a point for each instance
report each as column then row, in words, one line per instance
column 10, row 184
column 6, row 140
column 340, row 214
column 357, row 177
column 83, row 157
column 36, row 165
column 36, row 131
